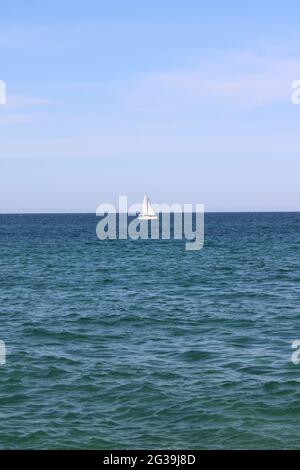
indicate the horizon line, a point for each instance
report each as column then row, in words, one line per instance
column 205, row 212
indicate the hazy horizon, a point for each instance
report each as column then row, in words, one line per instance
column 94, row 213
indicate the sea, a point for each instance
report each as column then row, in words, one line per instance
column 141, row 344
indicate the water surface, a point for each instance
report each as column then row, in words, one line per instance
column 141, row 344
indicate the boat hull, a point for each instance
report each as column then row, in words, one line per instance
column 147, row 217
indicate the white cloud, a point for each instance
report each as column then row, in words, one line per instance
column 233, row 81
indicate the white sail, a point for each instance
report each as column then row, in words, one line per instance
column 145, row 205
column 147, row 210
column 150, row 209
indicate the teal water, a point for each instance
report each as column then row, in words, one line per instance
column 141, row 344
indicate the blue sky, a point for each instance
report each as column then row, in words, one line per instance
column 188, row 101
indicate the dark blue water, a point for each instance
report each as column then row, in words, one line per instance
column 141, row 344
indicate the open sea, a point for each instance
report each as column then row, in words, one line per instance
column 141, row 344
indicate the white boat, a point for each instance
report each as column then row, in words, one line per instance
column 147, row 211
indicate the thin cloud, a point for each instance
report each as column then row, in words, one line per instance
column 17, row 102
column 235, row 82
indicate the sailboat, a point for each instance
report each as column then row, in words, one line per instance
column 147, row 211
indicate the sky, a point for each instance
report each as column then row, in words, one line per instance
column 186, row 100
